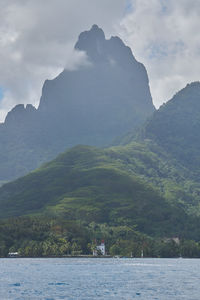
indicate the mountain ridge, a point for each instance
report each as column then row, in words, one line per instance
column 176, row 126
column 91, row 105
column 141, row 183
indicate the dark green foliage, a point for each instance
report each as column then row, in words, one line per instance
column 176, row 126
column 41, row 237
column 169, row 155
column 36, row 237
column 92, row 185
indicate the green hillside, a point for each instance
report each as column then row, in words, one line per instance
column 171, row 136
column 176, row 126
column 92, row 185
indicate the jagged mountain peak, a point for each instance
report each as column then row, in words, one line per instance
column 99, row 49
column 19, row 113
column 90, row 105
column 86, row 38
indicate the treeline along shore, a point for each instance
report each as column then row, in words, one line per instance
column 36, row 237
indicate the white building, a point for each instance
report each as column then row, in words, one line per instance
column 101, row 248
column 13, row 254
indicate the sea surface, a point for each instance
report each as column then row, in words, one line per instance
column 99, row 278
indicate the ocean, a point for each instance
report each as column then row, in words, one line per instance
column 99, row 278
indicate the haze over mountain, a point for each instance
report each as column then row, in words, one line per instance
column 103, row 99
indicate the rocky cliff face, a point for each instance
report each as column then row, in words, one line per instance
column 104, row 99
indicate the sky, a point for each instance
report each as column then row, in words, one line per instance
column 37, row 39
column 1, row 93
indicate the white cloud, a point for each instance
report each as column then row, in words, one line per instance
column 165, row 36
column 37, row 39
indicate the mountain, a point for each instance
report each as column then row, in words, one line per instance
column 94, row 104
column 92, row 185
column 171, row 134
column 176, row 127
column 143, row 184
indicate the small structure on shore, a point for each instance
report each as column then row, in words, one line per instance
column 13, row 254
column 100, row 250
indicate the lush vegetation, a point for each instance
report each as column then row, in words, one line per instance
column 171, row 147
column 33, row 237
column 92, row 185
column 136, row 196
column 176, row 125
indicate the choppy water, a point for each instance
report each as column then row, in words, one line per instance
column 99, row 278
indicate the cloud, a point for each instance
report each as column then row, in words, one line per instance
column 165, row 36
column 1, row 93
column 37, row 39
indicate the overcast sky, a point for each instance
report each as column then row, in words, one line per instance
column 37, row 39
